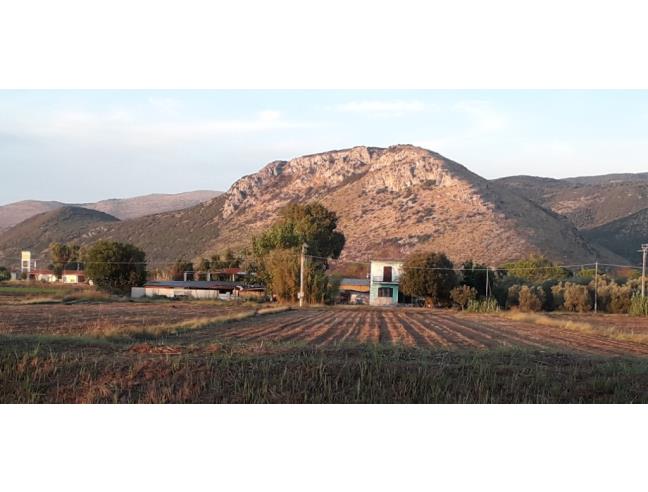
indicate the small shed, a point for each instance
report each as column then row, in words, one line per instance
column 354, row 290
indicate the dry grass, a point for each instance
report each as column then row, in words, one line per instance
column 107, row 329
column 579, row 326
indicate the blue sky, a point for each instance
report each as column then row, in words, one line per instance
column 78, row 146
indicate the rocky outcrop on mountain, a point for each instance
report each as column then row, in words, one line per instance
column 396, row 200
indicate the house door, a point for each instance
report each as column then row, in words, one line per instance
column 387, row 274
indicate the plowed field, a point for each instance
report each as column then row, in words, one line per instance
column 414, row 327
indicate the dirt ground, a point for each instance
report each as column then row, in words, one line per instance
column 442, row 329
column 326, row 327
column 75, row 319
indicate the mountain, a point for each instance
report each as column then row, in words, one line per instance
column 623, row 236
column 590, row 201
column 64, row 224
column 390, row 202
column 122, row 208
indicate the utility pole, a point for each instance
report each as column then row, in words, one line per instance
column 301, row 276
column 596, row 288
column 644, row 250
column 487, row 284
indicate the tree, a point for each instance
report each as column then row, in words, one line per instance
column 277, row 251
column 535, row 269
column 462, row 295
column 114, row 266
column 178, row 269
column 61, row 254
column 428, row 275
column 474, row 275
column 4, row 274
column 204, row 265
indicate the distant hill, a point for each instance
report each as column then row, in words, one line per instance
column 65, row 224
column 623, row 236
column 122, row 208
column 589, row 202
column 390, row 202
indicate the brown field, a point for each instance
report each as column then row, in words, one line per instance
column 326, row 327
column 438, row 329
column 156, row 352
column 80, row 319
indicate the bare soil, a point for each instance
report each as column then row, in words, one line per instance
column 435, row 329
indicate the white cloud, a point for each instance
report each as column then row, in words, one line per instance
column 382, row 107
column 135, row 127
column 483, row 115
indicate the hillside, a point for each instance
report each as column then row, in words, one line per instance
column 396, row 200
column 122, row 208
column 390, row 202
column 623, row 236
column 66, row 224
column 589, row 202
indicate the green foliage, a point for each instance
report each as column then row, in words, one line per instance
column 489, row 305
column 462, row 295
column 638, row 305
column 178, row 269
column 530, row 298
column 535, row 269
column 312, row 224
column 474, row 275
column 4, row 274
column 115, row 267
column 576, row 298
column 227, row 260
column 428, row 275
column 277, row 252
column 61, row 254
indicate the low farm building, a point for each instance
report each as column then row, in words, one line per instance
column 199, row 289
column 354, row 290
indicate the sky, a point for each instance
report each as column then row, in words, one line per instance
column 83, row 146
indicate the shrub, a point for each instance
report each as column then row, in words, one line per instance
column 576, row 298
column 462, row 295
column 489, row 305
column 638, row 305
column 530, row 298
column 4, row 274
column 513, row 296
column 429, row 275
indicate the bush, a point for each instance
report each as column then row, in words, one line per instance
column 462, row 295
column 4, row 274
column 489, row 305
column 513, row 296
column 638, row 305
column 576, row 298
column 115, row 267
column 429, row 275
column 530, row 298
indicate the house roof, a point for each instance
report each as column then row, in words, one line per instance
column 196, row 284
column 355, row 281
column 73, row 272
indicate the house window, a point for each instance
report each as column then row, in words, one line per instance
column 387, row 274
column 385, row 292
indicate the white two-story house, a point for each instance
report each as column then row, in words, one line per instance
column 384, row 282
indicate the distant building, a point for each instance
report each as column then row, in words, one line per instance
column 42, row 275
column 197, row 289
column 384, row 282
column 354, row 290
column 73, row 277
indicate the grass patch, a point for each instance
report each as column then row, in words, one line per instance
column 156, row 331
column 579, row 326
column 361, row 374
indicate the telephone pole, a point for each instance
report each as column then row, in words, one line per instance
column 487, row 284
column 301, row 276
column 644, row 250
column 596, row 288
